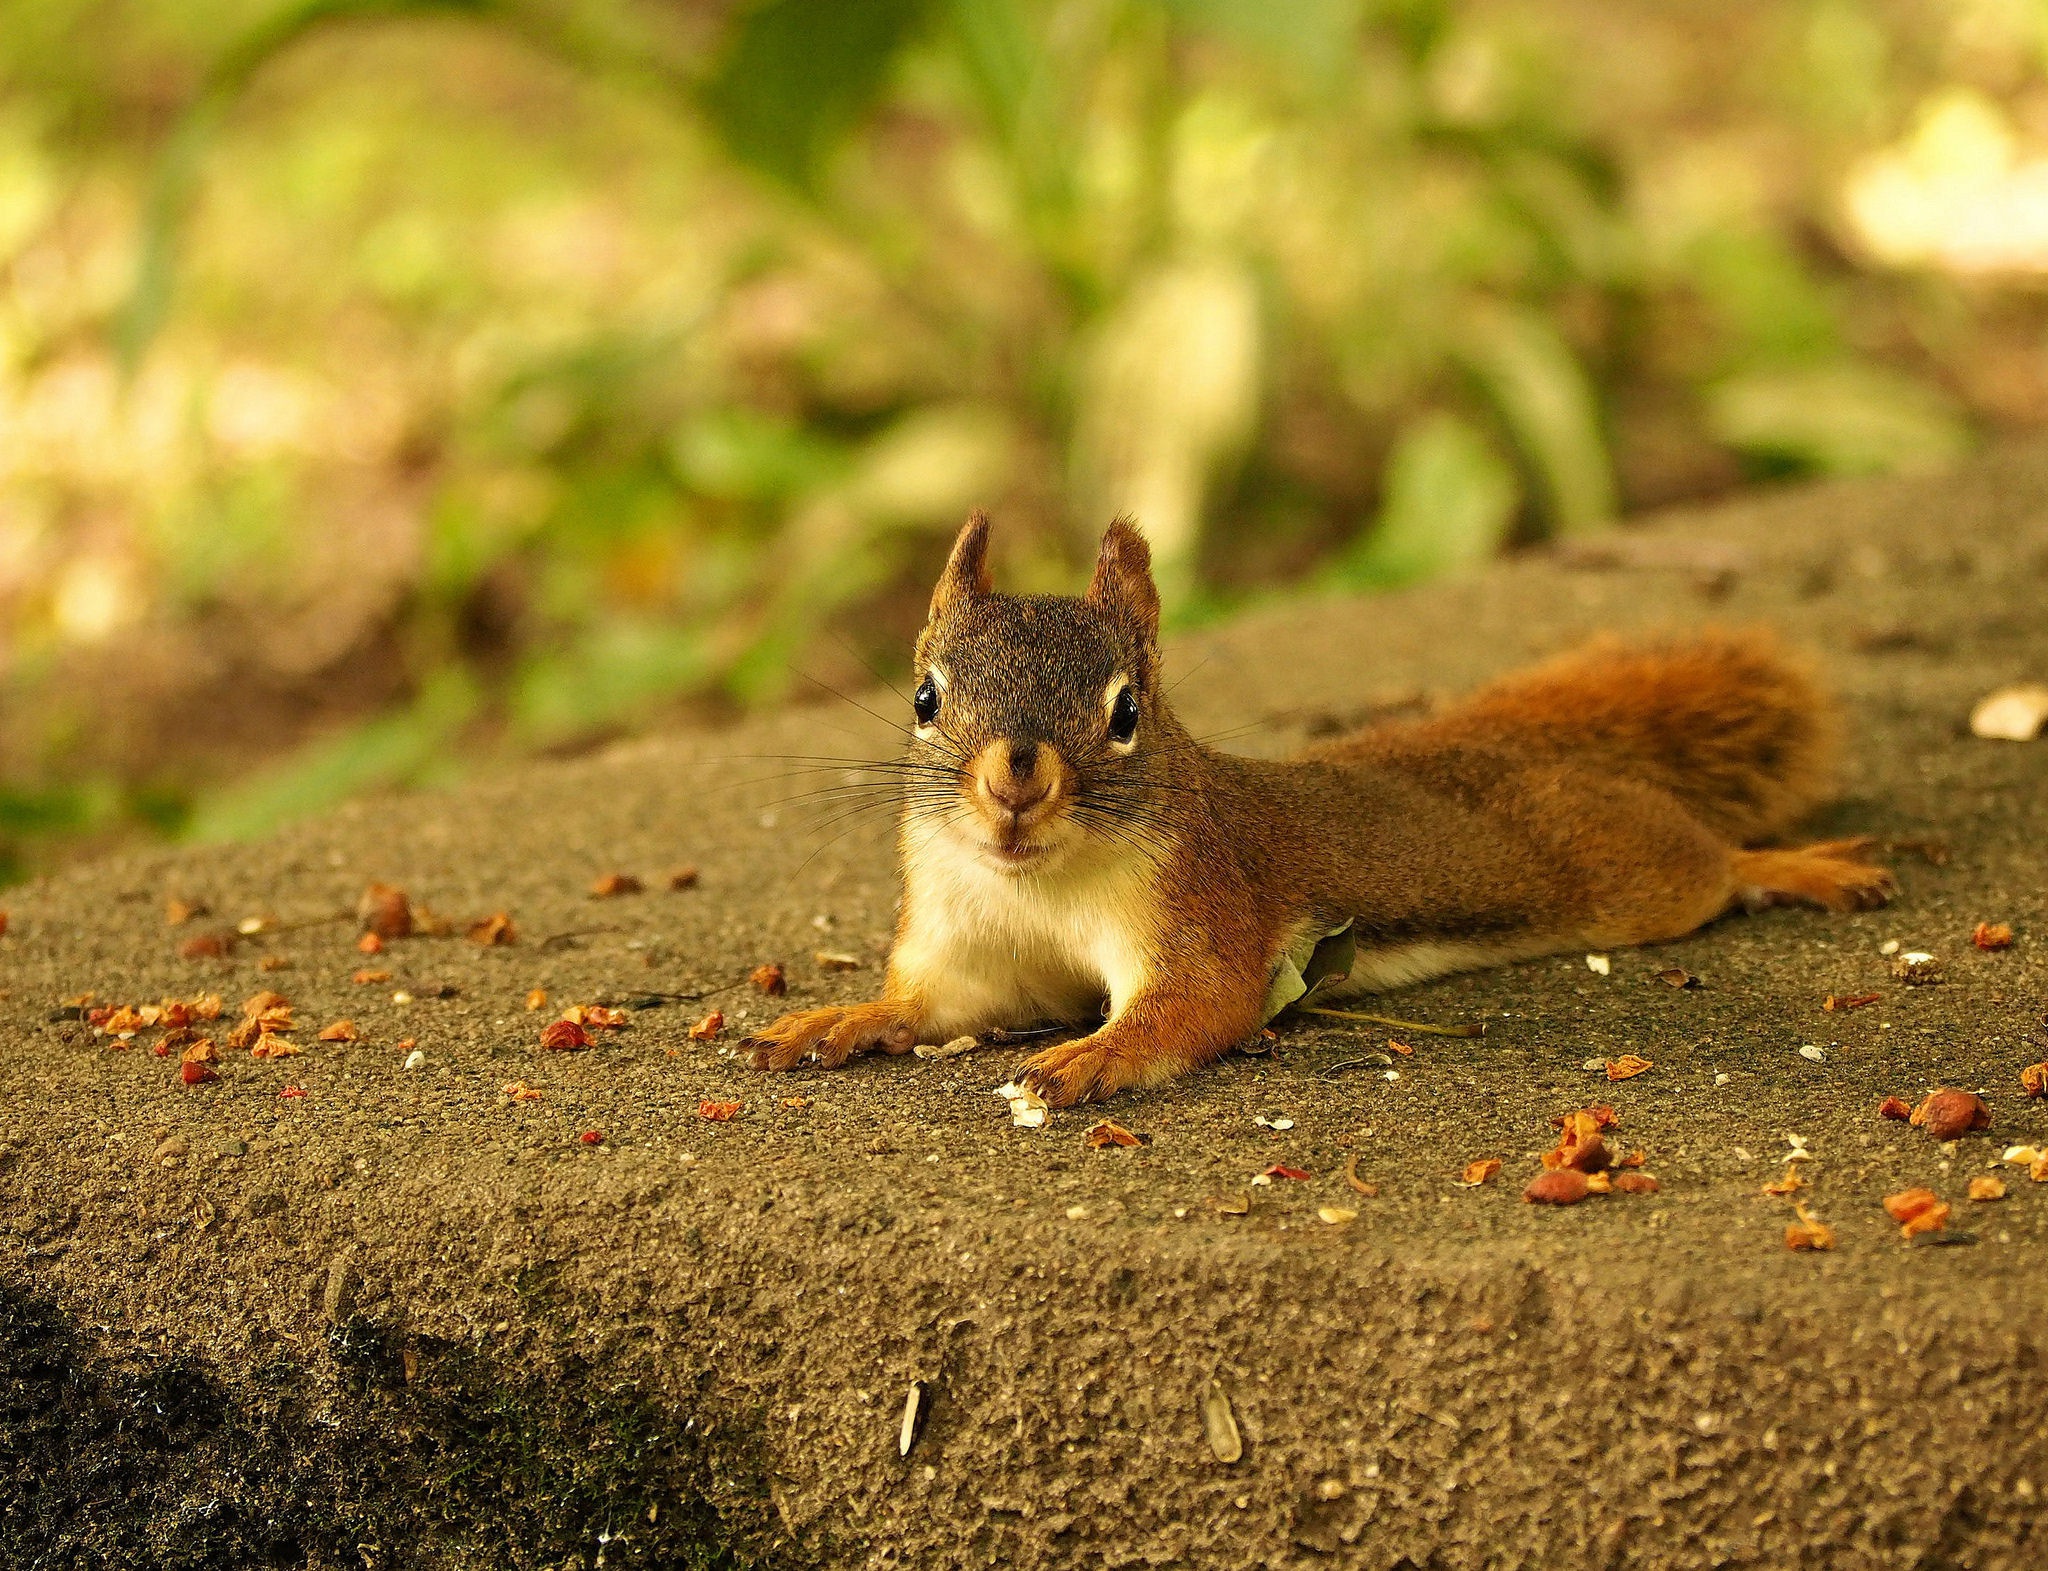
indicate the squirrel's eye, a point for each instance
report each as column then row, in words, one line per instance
column 925, row 702
column 1123, row 716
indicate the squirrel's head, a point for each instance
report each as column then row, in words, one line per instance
column 1036, row 718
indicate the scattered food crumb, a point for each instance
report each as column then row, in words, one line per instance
column 1809, row 1232
column 2034, row 1079
column 1627, row 1067
column 944, row 1050
column 2012, row 714
column 205, row 946
column 340, row 1031
column 718, row 1112
column 1916, row 968
column 769, row 979
column 1027, row 1107
column 1812, row 1054
column 609, row 885
column 1400, row 1047
column 832, row 960
column 1636, row 1183
column 370, row 944
column 1598, row 965
column 683, row 878
column 520, row 1091
column 1788, row 1184
column 1107, row 1134
column 364, row 978
column 1561, row 1186
column 1281, row 1170
column 1917, row 1211
column 1580, row 1146
column 1987, row 1186
column 1266, row 1121
column 290, row 1092
column 493, row 931
column 707, row 1029
column 1836, row 1003
column 1992, row 935
column 537, row 998
column 1478, row 1172
column 564, row 1036
column 415, row 1059
column 1895, row 1107
column 1336, row 1216
column 1677, row 976
column 178, row 912
column 595, row 1015
column 1948, row 1114
column 592, row 1137
column 384, row 910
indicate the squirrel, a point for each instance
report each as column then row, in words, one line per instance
column 1070, row 852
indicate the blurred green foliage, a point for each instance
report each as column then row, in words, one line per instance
column 388, row 383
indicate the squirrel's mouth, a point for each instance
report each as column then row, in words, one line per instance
column 1016, row 853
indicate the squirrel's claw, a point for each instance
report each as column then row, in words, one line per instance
column 1080, row 1071
column 831, row 1035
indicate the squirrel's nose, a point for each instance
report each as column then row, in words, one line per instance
column 1016, row 782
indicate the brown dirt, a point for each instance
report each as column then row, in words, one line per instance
column 404, row 1321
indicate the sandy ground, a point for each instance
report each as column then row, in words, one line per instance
column 405, row 1320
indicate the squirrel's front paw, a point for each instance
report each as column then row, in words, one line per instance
column 1086, row 1070
column 832, row 1035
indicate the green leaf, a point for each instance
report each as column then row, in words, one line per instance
column 1448, row 501
column 1548, row 405
column 406, row 747
column 799, row 74
column 1841, row 419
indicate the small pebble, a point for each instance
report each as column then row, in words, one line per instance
column 1812, row 1054
column 415, row 1058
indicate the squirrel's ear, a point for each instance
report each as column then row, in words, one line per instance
column 966, row 573
column 1123, row 578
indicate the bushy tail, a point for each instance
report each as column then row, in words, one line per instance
column 1725, row 721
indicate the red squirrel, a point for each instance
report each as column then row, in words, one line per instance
column 1071, row 853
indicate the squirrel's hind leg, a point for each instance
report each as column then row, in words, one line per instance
column 1830, row 874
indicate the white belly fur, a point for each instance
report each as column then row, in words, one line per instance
column 985, row 948
column 1381, row 970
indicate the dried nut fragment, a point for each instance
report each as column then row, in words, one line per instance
column 952, row 1049
column 595, row 1015
column 1239, row 1204
column 1219, row 1425
column 1987, row 1186
column 520, row 1091
column 564, row 1036
column 1579, row 1143
column 1636, row 1183
column 718, row 1112
column 1809, row 1232
column 178, row 912
column 370, row 944
column 1562, row 1186
column 1599, row 1184
column 1916, row 968
column 1992, row 935
column 1843, row 1002
column 2012, row 714
column 1786, row 1185
column 1627, row 1067
column 537, row 998
column 831, row 960
column 1895, row 1107
column 769, row 979
column 493, row 931
column 1677, row 976
column 1028, row 1109
column 609, row 885
column 1336, row 1216
column 206, row 946
column 1598, row 965
column 683, row 878
column 340, row 1031
column 366, row 977
column 384, row 910
column 707, row 1029
column 2034, row 1079
column 1948, row 1114
column 1477, row 1173
column 1107, row 1134
column 1917, row 1211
